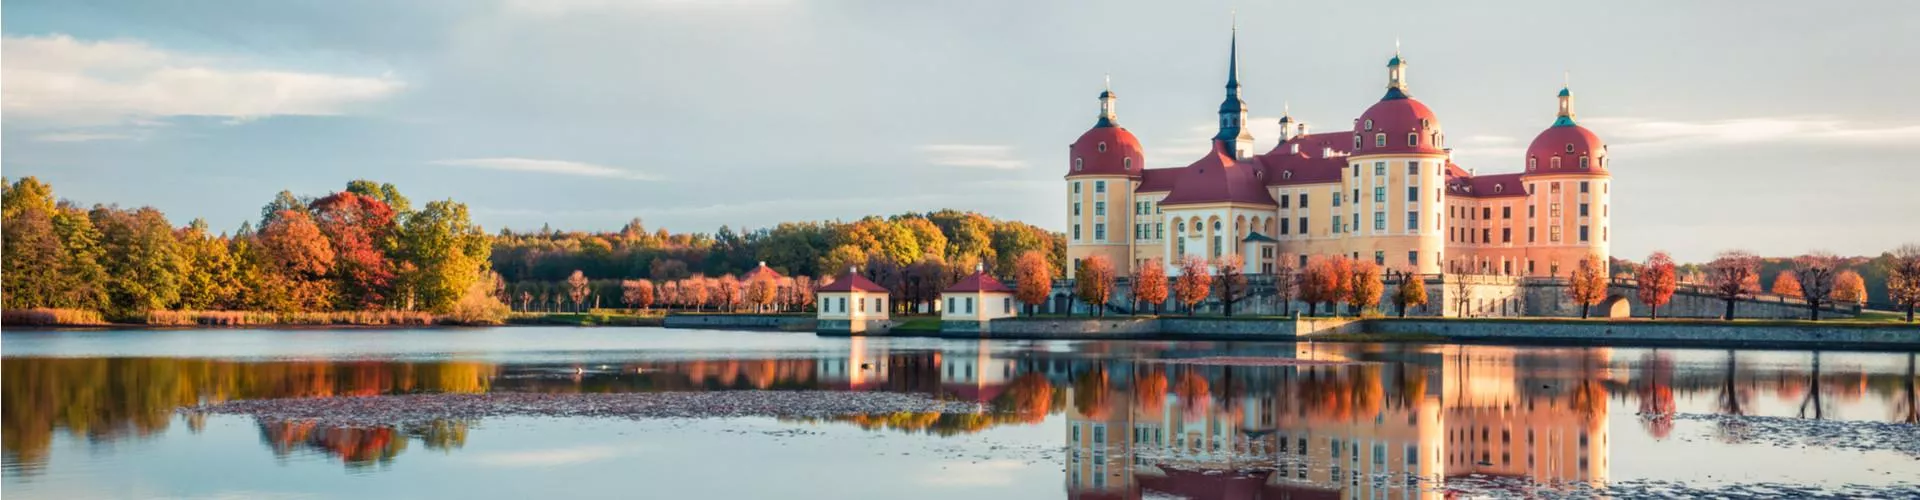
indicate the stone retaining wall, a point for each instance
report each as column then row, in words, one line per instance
column 1892, row 336
column 741, row 321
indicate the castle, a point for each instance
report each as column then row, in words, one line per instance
column 1388, row 191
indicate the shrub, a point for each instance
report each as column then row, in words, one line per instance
column 46, row 316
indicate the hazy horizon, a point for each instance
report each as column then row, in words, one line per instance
column 1775, row 128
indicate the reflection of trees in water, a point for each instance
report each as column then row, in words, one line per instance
column 1654, row 388
column 1811, row 403
column 1090, row 393
column 360, row 447
column 1732, row 401
column 1030, row 396
column 104, row 399
column 1150, row 388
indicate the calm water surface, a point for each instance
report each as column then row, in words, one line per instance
column 95, row 415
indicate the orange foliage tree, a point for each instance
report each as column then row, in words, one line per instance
column 1150, row 284
column 728, row 293
column 1815, row 275
column 1587, row 284
column 1412, row 292
column 1365, row 294
column 1326, row 279
column 1232, row 283
column 1903, row 278
column 1657, row 282
column 1033, row 279
column 1734, row 275
column 296, row 258
column 577, row 289
column 1848, row 288
column 637, row 294
column 1194, row 283
column 760, row 292
column 1093, row 282
column 1786, row 284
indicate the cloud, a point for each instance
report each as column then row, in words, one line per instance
column 558, row 167
column 973, row 156
column 546, row 458
column 57, row 80
column 80, row 137
column 1679, row 134
column 555, row 8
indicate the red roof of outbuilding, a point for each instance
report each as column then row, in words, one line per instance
column 1397, row 117
column 757, row 271
column 853, row 281
column 1217, row 178
column 979, row 282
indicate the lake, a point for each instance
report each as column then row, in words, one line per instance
column 118, row 414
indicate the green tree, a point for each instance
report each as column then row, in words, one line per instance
column 386, row 193
column 82, row 278
column 23, row 195
column 442, row 253
column 883, row 239
column 32, row 259
column 282, row 202
column 210, row 274
column 926, row 236
column 143, row 266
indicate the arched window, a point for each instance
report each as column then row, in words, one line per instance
column 1126, row 163
column 1413, row 139
column 1379, row 140
column 1499, row 187
column 1554, row 162
column 1077, row 164
column 1369, row 124
column 1356, row 141
column 1103, row 146
column 1533, row 163
column 1583, row 163
column 1286, row 174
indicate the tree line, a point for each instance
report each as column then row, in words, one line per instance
column 363, row 248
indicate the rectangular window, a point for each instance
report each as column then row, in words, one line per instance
column 1099, row 208
column 1583, row 232
column 1286, row 202
column 1100, row 232
column 1379, row 169
column 1159, row 230
column 1506, row 212
column 1380, row 194
column 1413, row 221
column 1553, row 210
column 1486, row 236
column 950, row 308
column 1076, row 209
column 1413, row 258
column 1286, row 226
column 1413, row 170
column 1413, row 194
column 1303, row 225
column 1379, row 140
column 1486, row 213
column 1336, row 224
column 1530, row 240
column 969, row 305
column 1076, row 187
column 1099, row 186
column 1336, row 198
column 1303, row 200
column 1076, row 231
column 1583, row 210
column 1506, row 235
column 1379, row 221
column 1529, row 211
column 1380, row 257
column 1553, row 233
column 1583, row 186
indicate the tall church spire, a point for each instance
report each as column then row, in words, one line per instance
column 1233, row 136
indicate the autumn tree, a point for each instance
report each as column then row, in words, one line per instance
column 577, row 289
column 293, row 258
column 1285, row 282
column 637, row 293
column 479, row 304
column 1150, row 284
column 1033, row 279
column 1587, row 284
column 1342, row 279
column 1317, row 283
column 1093, row 282
column 1849, row 288
column 1786, row 284
column 1657, row 282
column 1367, row 287
column 441, row 253
column 1231, row 284
column 760, row 291
column 360, row 230
column 211, row 277
column 1412, row 292
column 804, row 292
column 144, row 267
column 1194, row 283
column 1816, row 273
column 1903, row 278
column 1734, row 275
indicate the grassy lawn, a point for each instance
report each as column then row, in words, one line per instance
column 918, row 324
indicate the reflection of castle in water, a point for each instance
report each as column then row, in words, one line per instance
column 1370, row 430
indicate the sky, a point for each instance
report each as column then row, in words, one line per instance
column 1770, row 126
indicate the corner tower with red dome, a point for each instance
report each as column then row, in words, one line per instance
column 1386, row 190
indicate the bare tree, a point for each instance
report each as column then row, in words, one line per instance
column 1734, row 275
column 1816, row 272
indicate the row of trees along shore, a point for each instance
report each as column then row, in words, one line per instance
column 362, row 255
column 1819, row 279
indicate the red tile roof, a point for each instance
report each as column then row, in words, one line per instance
column 763, row 269
column 1554, row 141
column 1217, row 178
column 979, row 282
column 1120, row 145
column 853, row 281
column 1488, row 186
column 1158, row 180
column 1397, row 118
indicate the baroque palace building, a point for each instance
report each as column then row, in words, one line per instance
column 1388, row 190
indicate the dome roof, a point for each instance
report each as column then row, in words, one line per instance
column 1398, row 117
column 1569, row 143
column 1106, row 150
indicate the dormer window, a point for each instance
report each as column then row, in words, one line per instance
column 1413, row 140
column 1126, row 163
column 1369, row 124
column 1379, row 140
column 1499, row 187
column 1103, row 146
column 1583, row 163
column 1356, row 141
column 1569, row 147
column 1294, row 149
column 1077, row 164
column 1424, row 124
column 1554, row 162
column 1533, row 163
column 1286, row 174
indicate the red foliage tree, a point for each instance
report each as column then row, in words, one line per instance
column 1367, row 286
column 1194, row 282
column 361, row 232
column 1587, row 284
column 1903, row 277
column 1093, row 282
column 1150, row 285
column 1734, row 275
column 1033, row 279
column 1786, row 284
column 296, row 259
column 1815, row 274
column 1657, row 282
column 1232, row 283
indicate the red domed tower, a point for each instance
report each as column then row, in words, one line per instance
column 1103, row 165
column 1386, row 209
column 1570, row 190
